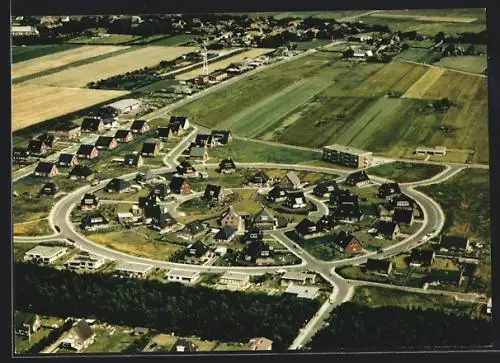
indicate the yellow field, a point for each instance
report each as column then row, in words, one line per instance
column 123, row 63
column 224, row 63
column 60, row 59
column 32, row 104
column 448, row 19
column 420, row 87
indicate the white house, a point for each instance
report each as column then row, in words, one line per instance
column 183, row 276
column 44, row 254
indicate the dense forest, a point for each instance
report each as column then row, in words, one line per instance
column 204, row 312
column 354, row 326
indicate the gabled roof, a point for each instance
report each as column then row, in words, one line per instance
column 202, row 139
column 90, row 197
column 46, row 138
column 194, row 227
column 138, row 124
column 164, row 220
column 67, row 126
column 293, row 178
column 83, row 330
column 185, row 167
column 225, row 233
column 255, row 248
column 148, row 148
column 326, row 222
column 386, row 228
column 357, row 177
column 81, row 170
column 421, row 256
column 253, row 233
column 197, row 249
column 90, row 123
column 122, row 134
column 163, row 131
column 134, row 158
column 458, row 242
column 180, row 120
column 259, row 177
column 348, row 210
column 221, row 135
column 184, row 345
column 161, row 189
column 343, row 239
column 402, row 215
column 118, row 184
column 306, row 226
column 35, row 145
column 264, row 216
column 50, row 188
column 277, row 192
column 389, row 189
column 325, row 186
column 293, row 196
column 174, row 128
column 66, row 158
column 212, row 191
column 21, row 318
column 227, row 164
column 44, row 167
column 373, row 264
column 92, row 219
column 85, row 149
column 150, row 200
column 231, row 211
column 176, row 182
column 104, row 141
column 152, row 211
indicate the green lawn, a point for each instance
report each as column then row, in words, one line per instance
column 22, row 344
column 107, row 343
column 106, row 39
column 174, row 40
column 403, row 172
column 35, row 228
column 465, row 199
column 320, row 247
column 23, row 53
column 415, row 54
column 467, row 63
column 245, row 151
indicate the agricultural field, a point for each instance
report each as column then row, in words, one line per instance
column 326, row 14
column 60, row 59
column 466, row 63
column 402, row 172
column 446, row 19
column 419, row 55
column 469, row 13
column 106, row 39
column 105, row 68
column 311, row 44
column 222, row 64
column 33, row 103
column 27, row 52
column 174, row 40
column 420, row 87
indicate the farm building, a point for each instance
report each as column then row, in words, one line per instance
column 347, row 156
column 46, row 170
column 124, row 106
column 217, row 76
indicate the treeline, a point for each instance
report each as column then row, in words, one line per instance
column 354, row 326
column 204, row 312
column 51, row 338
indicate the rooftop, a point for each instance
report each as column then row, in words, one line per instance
column 297, row 276
column 124, row 103
column 346, row 149
column 183, row 273
column 235, row 275
column 307, row 292
column 46, row 251
column 133, row 267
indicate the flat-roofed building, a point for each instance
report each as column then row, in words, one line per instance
column 305, row 292
column 44, row 254
column 125, row 105
column 132, row 269
column 348, row 156
column 291, row 278
column 234, row 278
column 183, row 276
column 437, row 150
column 86, row 260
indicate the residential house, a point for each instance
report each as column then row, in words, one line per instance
column 148, row 177
column 184, row 345
column 227, row 166
column 81, row 172
column 134, row 270
column 454, row 243
column 185, row 276
column 68, row 130
column 86, row 260
column 348, row 213
column 180, row 185
column 222, row 137
column 92, row 125
column 49, row 190
column 47, row 139
column 402, row 201
column 117, row 185
column 26, row 323
column 389, row 230
column 265, row 220
column 213, row 193
column 204, row 140
column 162, row 221
column 151, row 147
column 185, row 169
column 295, row 200
column 258, row 252
column 303, row 292
column 87, row 152
column 259, row 179
column 253, row 234
column 347, row 243
column 198, row 153
column 297, row 278
column 325, row 188
column 127, row 218
column 80, row 337
column 326, row 223
column 67, row 160
column 124, row 136
column 357, row 179
column 46, row 170
column 379, row 267
column 420, row 257
column 106, row 143
column 348, row 156
column 93, row 222
column 183, row 121
column 277, row 194
column 139, row 127
column 20, row 155
column 233, row 219
column 234, row 279
column 89, row 202
column 175, row 130
column 389, row 190
column 290, row 181
column 134, row 160
column 260, row 344
column 307, row 229
column 225, row 234
column 44, row 254
column 197, row 253
column 150, row 200
column 37, row 148
column 161, row 191
column 163, row 133
column 193, row 230
column 403, row 216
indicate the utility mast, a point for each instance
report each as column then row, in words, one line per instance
column 205, row 59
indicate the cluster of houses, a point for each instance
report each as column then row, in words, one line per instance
column 198, row 149
column 376, row 48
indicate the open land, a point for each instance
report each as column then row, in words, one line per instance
column 34, row 103
column 123, row 63
column 59, row 59
column 467, row 63
column 34, row 228
column 402, row 172
column 424, row 83
column 106, row 39
column 252, row 53
column 27, row 52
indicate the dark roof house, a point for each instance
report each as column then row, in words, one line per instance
column 117, row 185
column 139, row 126
column 49, row 189
column 45, row 169
column 403, row 216
column 81, row 172
column 67, row 160
column 454, row 243
column 277, row 194
column 421, row 257
column 357, row 178
column 307, row 229
column 225, row 234
column 387, row 229
column 222, row 136
column 382, row 267
column 213, row 192
column 227, row 166
column 325, row 188
column 260, row 178
column 388, row 190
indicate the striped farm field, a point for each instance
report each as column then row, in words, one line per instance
column 60, row 59
column 458, row 86
column 424, row 83
column 123, row 63
column 32, row 104
column 255, row 52
column 447, row 19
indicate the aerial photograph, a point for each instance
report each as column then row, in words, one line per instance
column 223, row 183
